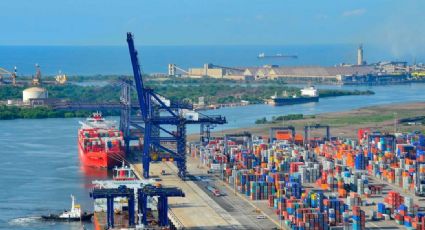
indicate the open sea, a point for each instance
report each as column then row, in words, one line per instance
column 92, row 60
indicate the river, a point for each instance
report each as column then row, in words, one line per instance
column 39, row 166
column 245, row 116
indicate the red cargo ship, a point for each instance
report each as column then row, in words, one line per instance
column 100, row 144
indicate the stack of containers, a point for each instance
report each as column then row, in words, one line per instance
column 360, row 161
column 398, row 176
column 375, row 189
column 420, row 172
column 353, row 200
column 399, row 219
column 360, row 186
column 407, row 181
column 346, row 220
column 408, row 221
column 294, row 166
column 309, row 172
column 381, row 210
column 334, row 206
column 366, row 191
column 293, row 187
column 257, row 172
column 394, row 199
column 359, row 218
column 342, row 192
column 261, row 190
column 315, row 221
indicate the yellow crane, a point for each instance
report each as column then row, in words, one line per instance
column 61, row 78
column 418, row 74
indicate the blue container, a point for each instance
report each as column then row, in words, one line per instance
column 402, row 207
column 381, row 207
column 290, row 210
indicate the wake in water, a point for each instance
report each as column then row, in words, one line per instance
column 25, row 221
column 36, row 222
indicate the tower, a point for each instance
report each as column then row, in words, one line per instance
column 37, row 78
column 14, row 74
column 171, row 69
column 360, row 55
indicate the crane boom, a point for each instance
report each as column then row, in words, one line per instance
column 141, row 94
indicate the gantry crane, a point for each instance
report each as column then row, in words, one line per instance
column 272, row 131
column 11, row 74
column 307, row 129
column 157, row 116
column 142, row 200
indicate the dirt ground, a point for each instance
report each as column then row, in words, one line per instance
column 346, row 124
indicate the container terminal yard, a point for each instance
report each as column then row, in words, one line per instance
column 290, row 179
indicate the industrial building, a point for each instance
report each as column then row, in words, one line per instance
column 34, row 93
column 359, row 73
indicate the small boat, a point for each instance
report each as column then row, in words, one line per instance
column 278, row 55
column 75, row 214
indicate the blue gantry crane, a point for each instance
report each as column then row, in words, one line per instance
column 110, row 195
column 162, row 193
column 161, row 121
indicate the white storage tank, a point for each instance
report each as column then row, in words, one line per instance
column 34, row 93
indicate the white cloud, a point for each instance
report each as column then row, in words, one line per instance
column 355, row 12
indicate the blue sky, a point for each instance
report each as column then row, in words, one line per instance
column 213, row 22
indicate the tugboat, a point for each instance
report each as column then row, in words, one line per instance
column 75, row 214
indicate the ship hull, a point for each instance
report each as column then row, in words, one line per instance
column 101, row 159
column 293, row 101
column 52, row 217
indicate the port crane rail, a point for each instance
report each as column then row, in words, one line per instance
column 157, row 112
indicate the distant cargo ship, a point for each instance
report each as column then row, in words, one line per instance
column 100, row 143
column 279, row 55
column 308, row 94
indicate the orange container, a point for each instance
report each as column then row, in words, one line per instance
column 283, row 135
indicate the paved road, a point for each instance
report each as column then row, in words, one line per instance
column 238, row 208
